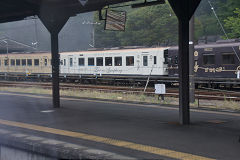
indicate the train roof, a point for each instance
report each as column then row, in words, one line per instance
column 23, row 53
column 93, row 51
column 118, row 50
column 212, row 45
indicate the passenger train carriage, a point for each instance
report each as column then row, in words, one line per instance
column 219, row 60
column 25, row 63
column 129, row 62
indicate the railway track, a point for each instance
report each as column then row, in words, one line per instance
column 171, row 92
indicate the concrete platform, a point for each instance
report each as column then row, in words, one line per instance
column 18, row 146
column 131, row 130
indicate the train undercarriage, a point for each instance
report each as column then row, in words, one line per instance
column 124, row 80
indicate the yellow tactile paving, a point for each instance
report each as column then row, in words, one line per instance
column 217, row 121
column 124, row 144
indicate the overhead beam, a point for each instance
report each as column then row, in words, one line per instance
column 16, row 16
column 14, row 8
column 184, row 9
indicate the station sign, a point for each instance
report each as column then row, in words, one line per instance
column 115, row 20
column 160, row 89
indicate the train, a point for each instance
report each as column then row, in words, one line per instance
column 105, row 66
column 216, row 63
column 219, row 60
column 126, row 62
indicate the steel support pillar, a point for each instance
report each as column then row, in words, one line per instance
column 55, row 70
column 184, row 10
column 191, row 61
column 54, row 20
column 183, row 69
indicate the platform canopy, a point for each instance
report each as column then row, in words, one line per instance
column 13, row 10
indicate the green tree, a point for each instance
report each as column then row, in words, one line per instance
column 155, row 25
column 207, row 22
column 150, row 26
column 232, row 23
column 145, row 26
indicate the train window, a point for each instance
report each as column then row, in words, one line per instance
column 12, row 62
column 45, row 62
column 0, row 62
column 170, row 60
column 6, row 62
column 108, row 61
column 99, row 61
column 175, row 60
column 70, row 62
column 90, row 61
column 228, row 58
column 36, row 62
column 29, row 62
column 17, row 62
column 145, row 60
column 64, row 62
column 165, row 56
column 118, row 61
column 23, row 62
column 208, row 59
column 81, row 61
column 130, row 61
column 155, row 59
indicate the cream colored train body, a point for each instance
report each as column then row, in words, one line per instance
column 25, row 63
column 125, row 62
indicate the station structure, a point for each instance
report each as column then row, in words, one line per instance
column 54, row 14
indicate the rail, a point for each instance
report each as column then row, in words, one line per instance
column 171, row 92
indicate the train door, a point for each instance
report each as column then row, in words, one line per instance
column 145, row 58
column 70, row 64
column 45, row 64
column 145, row 64
column 6, row 64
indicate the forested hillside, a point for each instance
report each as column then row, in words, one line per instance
column 157, row 25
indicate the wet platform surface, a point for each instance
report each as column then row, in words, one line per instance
column 136, row 130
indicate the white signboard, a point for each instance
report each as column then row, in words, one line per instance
column 115, row 20
column 160, row 89
column 83, row 2
column 238, row 74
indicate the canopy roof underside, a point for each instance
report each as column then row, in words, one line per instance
column 13, row 10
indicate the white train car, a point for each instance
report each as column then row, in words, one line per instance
column 129, row 62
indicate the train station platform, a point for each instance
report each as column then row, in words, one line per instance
column 101, row 129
